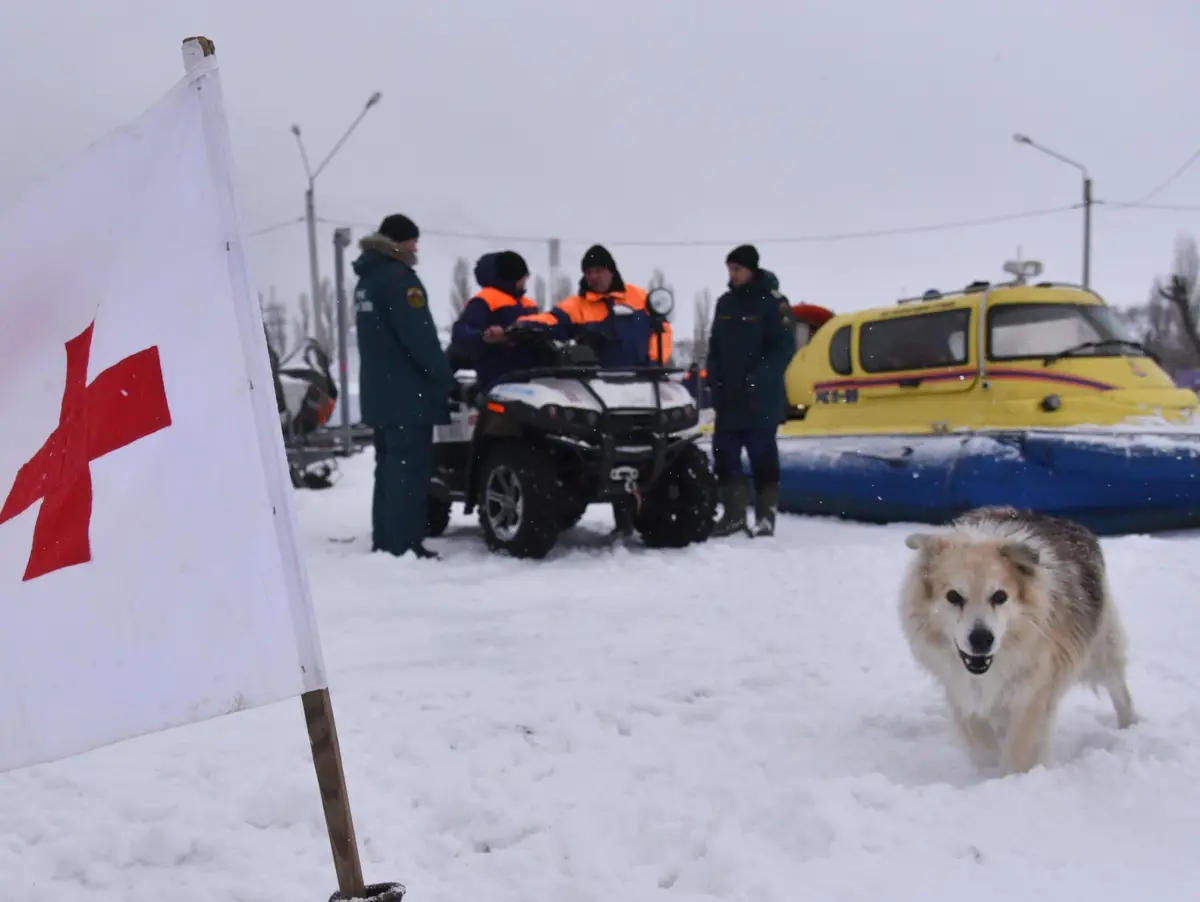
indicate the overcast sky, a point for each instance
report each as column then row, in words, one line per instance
column 675, row 121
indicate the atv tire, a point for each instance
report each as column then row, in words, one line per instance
column 518, row 500
column 681, row 507
column 437, row 517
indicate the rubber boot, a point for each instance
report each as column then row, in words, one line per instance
column 735, row 497
column 766, row 505
column 624, row 517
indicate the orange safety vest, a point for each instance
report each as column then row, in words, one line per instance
column 498, row 300
column 591, row 307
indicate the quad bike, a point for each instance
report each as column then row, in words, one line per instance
column 305, row 395
column 547, row 442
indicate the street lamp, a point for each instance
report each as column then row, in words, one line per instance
column 1087, row 201
column 310, row 212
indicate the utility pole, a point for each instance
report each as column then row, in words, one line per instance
column 310, row 209
column 552, row 288
column 1087, row 230
column 341, row 240
column 1087, row 202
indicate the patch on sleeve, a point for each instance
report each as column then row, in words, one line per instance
column 776, row 293
column 785, row 314
column 416, row 298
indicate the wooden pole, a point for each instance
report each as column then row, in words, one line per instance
column 331, row 780
column 318, row 711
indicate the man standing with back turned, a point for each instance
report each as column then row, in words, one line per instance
column 750, row 346
column 404, row 383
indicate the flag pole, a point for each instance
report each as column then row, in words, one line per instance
column 318, row 709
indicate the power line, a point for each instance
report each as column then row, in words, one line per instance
column 818, row 238
column 1172, row 177
column 276, row 227
column 725, row 242
column 1138, row 205
column 439, row 233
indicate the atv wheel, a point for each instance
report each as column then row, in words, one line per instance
column 437, row 517
column 518, row 506
column 679, row 510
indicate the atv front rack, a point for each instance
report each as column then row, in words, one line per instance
column 593, row 371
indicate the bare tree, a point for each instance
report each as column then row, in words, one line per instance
column 563, row 289
column 275, row 321
column 318, row 321
column 702, row 327
column 302, row 321
column 460, row 286
column 1167, row 323
column 1181, row 290
column 539, row 292
column 325, row 316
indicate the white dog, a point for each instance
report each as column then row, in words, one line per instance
column 1008, row 610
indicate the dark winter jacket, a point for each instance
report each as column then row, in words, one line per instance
column 499, row 303
column 750, row 346
column 405, row 378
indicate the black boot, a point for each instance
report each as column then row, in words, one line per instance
column 624, row 516
column 766, row 505
column 735, row 498
column 420, row 552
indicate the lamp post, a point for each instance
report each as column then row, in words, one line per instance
column 1087, row 201
column 310, row 211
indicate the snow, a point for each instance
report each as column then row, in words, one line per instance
column 739, row 721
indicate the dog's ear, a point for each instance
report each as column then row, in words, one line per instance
column 1024, row 557
column 924, row 541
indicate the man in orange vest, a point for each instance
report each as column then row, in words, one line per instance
column 628, row 340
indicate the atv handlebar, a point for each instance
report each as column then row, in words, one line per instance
column 527, row 328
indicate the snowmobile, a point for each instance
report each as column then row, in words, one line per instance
column 545, row 443
column 305, row 395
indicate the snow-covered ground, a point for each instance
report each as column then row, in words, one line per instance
column 739, row 721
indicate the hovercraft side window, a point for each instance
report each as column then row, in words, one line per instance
column 919, row 342
column 840, row 360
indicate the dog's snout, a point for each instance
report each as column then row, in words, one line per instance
column 980, row 639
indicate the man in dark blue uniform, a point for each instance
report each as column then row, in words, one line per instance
column 404, row 383
column 750, row 346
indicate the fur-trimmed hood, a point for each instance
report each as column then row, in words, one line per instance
column 377, row 249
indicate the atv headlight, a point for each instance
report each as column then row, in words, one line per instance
column 572, row 415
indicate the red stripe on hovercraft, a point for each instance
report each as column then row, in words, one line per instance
column 959, row 374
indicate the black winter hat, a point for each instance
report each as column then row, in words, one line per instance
column 511, row 266
column 744, row 255
column 399, row 228
column 597, row 255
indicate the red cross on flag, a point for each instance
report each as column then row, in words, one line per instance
column 149, row 566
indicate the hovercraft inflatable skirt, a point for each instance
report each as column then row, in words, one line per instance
column 1112, row 482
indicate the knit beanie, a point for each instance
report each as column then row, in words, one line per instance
column 598, row 256
column 744, row 255
column 511, row 266
column 399, row 228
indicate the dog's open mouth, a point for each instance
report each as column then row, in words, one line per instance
column 976, row 664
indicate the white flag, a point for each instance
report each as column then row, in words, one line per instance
column 149, row 568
